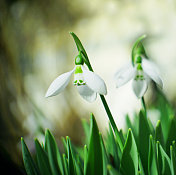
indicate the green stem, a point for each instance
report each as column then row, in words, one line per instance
column 111, row 119
column 87, row 62
column 144, row 106
column 109, row 114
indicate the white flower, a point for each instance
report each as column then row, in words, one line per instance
column 141, row 73
column 88, row 83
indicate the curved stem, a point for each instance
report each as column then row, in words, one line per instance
column 109, row 114
column 87, row 62
column 144, row 106
column 111, row 119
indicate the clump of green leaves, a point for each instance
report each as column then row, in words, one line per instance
column 146, row 150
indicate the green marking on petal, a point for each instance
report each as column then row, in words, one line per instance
column 139, row 77
column 75, row 82
column 139, row 67
column 78, row 69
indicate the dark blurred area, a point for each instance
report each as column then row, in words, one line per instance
column 20, row 24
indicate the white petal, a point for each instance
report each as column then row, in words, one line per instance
column 151, row 70
column 125, row 74
column 94, row 82
column 87, row 93
column 149, row 64
column 59, row 84
column 139, row 87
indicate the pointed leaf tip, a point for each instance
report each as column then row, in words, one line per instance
column 30, row 166
column 129, row 156
column 94, row 161
column 158, row 123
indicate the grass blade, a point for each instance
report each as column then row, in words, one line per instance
column 65, row 162
column 159, row 134
column 30, row 166
column 71, row 161
column 105, row 156
column 143, row 140
column 129, row 156
column 85, row 158
column 42, row 159
column 152, row 164
column 54, row 157
column 95, row 160
column 173, row 160
column 171, row 134
column 164, row 163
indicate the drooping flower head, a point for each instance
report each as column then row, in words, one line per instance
column 87, row 82
column 140, row 70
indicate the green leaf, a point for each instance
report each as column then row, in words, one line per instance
column 164, row 163
column 152, row 164
column 113, row 149
column 74, row 161
column 79, row 169
column 159, row 134
column 143, row 140
column 30, row 166
column 129, row 161
column 171, row 134
column 95, row 160
column 42, row 159
column 71, row 163
column 64, row 143
column 134, row 128
column 65, row 162
column 138, row 49
column 86, row 128
column 141, row 169
column 85, row 158
column 54, row 156
column 105, row 156
column 166, row 111
column 173, row 160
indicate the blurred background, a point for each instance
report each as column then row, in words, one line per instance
column 36, row 47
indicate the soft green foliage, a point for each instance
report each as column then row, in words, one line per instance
column 144, row 151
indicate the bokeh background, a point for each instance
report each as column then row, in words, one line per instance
column 36, row 47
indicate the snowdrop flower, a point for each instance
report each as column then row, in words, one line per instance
column 87, row 82
column 142, row 71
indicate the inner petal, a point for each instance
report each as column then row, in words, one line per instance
column 139, row 87
column 140, row 75
column 87, row 93
column 79, row 79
